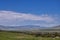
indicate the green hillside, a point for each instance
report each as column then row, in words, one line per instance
column 21, row 36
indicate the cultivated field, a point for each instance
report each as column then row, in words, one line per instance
column 21, row 36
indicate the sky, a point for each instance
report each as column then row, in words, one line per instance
column 44, row 13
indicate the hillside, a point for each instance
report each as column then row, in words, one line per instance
column 20, row 36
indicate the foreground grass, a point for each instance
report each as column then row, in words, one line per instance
column 20, row 36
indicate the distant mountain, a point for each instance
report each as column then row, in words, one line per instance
column 51, row 29
column 26, row 27
column 57, row 26
column 30, row 27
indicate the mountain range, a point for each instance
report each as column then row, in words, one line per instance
column 30, row 27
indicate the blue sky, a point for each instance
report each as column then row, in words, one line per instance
column 32, row 12
column 31, row 6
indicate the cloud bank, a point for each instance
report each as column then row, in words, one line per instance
column 15, row 18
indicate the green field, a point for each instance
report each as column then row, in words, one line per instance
column 21, row 36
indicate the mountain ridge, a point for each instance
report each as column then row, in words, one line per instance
column 29, row 27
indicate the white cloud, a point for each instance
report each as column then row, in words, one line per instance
column 12, row 18
column 10, row 15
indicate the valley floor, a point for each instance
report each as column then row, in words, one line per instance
column 19, row 36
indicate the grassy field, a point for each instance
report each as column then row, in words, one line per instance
column 21, row 36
